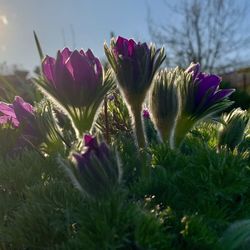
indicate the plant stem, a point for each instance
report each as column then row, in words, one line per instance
column 106, row 120
column 183, row 126
column 165, row 129
column 138, row 126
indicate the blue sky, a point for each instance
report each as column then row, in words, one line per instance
column 58, row 21
column 54, row 20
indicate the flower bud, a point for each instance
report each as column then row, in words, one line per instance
column 74, row 80
column 98, row 167
column 233, row 126
column 73, row 77
column 135, row 65
column 164, row 102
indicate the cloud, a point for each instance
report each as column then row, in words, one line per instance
column 4, row 20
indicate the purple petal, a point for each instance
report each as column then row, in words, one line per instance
column 131, row 47
column 5, row 119
column 90, row 142
column 90, row 55
column 221, row 94
column 63, row 73
column 66, row 53
column 210, row 82
column 24, row 105
column 121, row 46
column 23, row 110
column 145, row 48
column 7, row 109
column 15, row 122
column 82, row 160
column 83, row 72
column 193, row 68
column 48, row 68
column 82, row 52
column 95, row 62
column 88, row 139
column 145, row 114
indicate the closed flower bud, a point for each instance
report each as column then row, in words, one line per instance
column 73, row 77
column 164, row 102
column 233, row 126
column 145, row 114
column 75, row 80
column 98, row 167
column 135, row 65
column 150, row 132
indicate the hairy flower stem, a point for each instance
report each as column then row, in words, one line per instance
column 166, row 132
column 183, row 126
column 138, row 126
column 106, row 120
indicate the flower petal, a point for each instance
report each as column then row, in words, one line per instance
column 221, row 94
column 193, row 68
column 210, row 82
column 62, row 75
column 121, row 46
column 4, row 119
column 48, row 68
column 90, row 142
column 66, row 53
column 95, row 62
column 7, row 109
column 131, row 47
column 83, row 73
column 23, row 110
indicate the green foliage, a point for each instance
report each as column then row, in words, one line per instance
column 190, row 198
column 237, row 236
column 117, row 117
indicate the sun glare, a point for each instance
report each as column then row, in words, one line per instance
column 4, row 20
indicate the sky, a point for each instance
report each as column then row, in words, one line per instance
column 73, row 23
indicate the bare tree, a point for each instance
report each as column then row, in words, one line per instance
column 206, row 31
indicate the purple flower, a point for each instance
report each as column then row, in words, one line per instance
column 73, row 77
column 194, row 69
column 21, row 115
column 200, row 97
column 206, row 91
column 134, row 65
column 26, row 117
column 145, row 114
column 111, row 97
column 8, row 114
column 23, row 110
column 17, row 113
column 97, row 166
